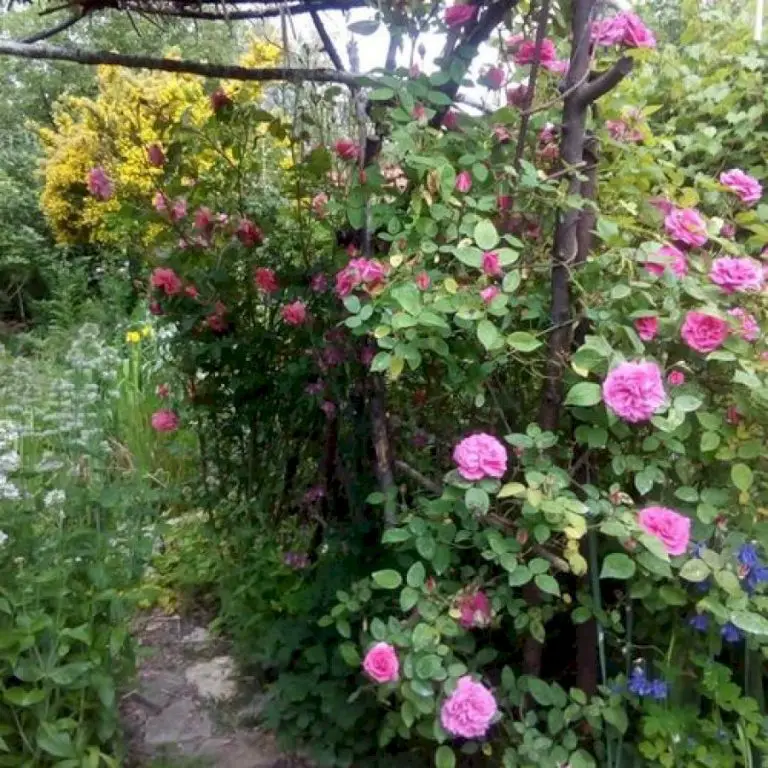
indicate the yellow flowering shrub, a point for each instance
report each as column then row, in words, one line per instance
column 133, row 110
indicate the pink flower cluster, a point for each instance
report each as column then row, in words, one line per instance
column 99, row 184
column 493, row 78
column 647, row 327
column 671, row 528
column 625, row 29
column 475, row 610
column 703, row 332
column 165, row 420
column 747, row 188
column 166, row 280
column 668, row 257
column 459, row 14
column 381, row 663
column 265, row 279
column 492, row 264
column 687, row 226
column 634, row 391
column 479, row 456
column 749, row 328
column 469, row 711
column 525, row 53
column 294, row 313
column 463, row 182
column 347, row 149
column 367, row 272
column 737, row 275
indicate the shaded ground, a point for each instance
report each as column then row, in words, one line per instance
column 186, row 710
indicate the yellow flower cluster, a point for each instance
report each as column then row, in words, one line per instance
column 134, row 337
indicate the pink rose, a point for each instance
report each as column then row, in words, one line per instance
column 469, row 710
column 493, row 78
column 608, row 31
column 166, row 280
column 636, row 34
column 346, row 281
column 647, row 327
column 671, row 528
column 676, row 378
column 165, row 420
column 634, row 391
column 526, row 52
column 501, row 133
column 422, row 281
column 319, row 283
column 749, row 329
column 463, row 182
column 491, row 264
column 662, row 205
column 265, row 279
column 737, row 274
column 381, row 663
column 220, row 100
column 155, row 155
column 668, row 257
column 203, row 219
column 347, row 149
column 248, row 233
column 479, row 456
column 320, row 204
column 217, row 320
column 459, row 14
column 99, row 184
column 703, row 332
column 475, row 610
column 451, row 120
column 490, row 293
column 687, row 226
column 747, row 188
column 294, row 313
column 178, row 209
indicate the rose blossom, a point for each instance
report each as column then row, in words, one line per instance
column 676, row 378
column 217, row 320
column 156, row 309
column 347, row 149
column 503, row 202
column 479, row 456
column 671, row 528
column 248, row 233
column 459, row 14
column 728, row 229
column 686, row 225
column 155, row 155
column 422, row 281
column 670, row 258
column 469, row 710
column 493, row 78
column 647, row 327
column 99, row 184
column 381, row 663
column 294, row 313
column 165, row 420
column 662, row 205
column 517, row 95
column 703, row 332
column 491, row 264
column 636, row 34
column 475, row 610
column 265, row 279
column 634, row 391
column 165, row 279
column 526, row 52
column 747, row 188
column 463, row 182
column 736, row 274
column 358, row 271
column 608, row 31
column 490, row 293
column 451, row 120
column 732, row 415
column 749, row 329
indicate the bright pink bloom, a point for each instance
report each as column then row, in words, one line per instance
column 517, row 95
column 422, row 281
column 479, row 456
column 671, row 528
column 265, row 279
column 526, row 52
column 634, row 391
column 294, row 313
column 203, row 219
column 491, row 264
column 347, row 149
column 358, row 271
column 165, row 420
column 490, row 293
column 320, row 205
column 493, row 78
column 463, row 182
column 381, row 663
column 737, row 274
column 662, row 205
column 687, row 226
column 676, row 379
column 249, row 234
column 475, row 609
column 749, row 328
column 747, row 188
column 618, row 130
column 178, row 209
column 459, row 14
column 162, row 391
column 668, row 257
column 636, row 34
column 155, row 155
column 451, row 119
column 703, row 332
column 608, row 31
column 165, row 279
column 558, row 66
column 647, row 327
column 469, row 710
column 319, row 283
column 220, row 100
column 99, row 184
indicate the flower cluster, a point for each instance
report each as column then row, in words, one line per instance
column 625, row 29
column 366, row 272
column 640, row 685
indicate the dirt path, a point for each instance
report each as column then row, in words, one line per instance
column 185, row 708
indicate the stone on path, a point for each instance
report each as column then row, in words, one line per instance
column 181, row 724
column 213, row 679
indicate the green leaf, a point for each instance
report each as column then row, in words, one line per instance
column 416, row 575
column 751, row 623
column 617, row 565
column 408, row 297
column 381, row 94
column 488, row 334
column 56, row 743
column 387, row 579
column 540, row 691
column 395, row 536
column 381, row 362
column 695, row 570
column 350, row 654
column 547, row 583
column 728, row 582
column 617, row 717
column 583, row 394
column 477, row 500
column 486, row 235
column 686, row 403
column 444, row 757
column 741, row 476
column 408, row 598
column 518, row 490
column 523, row 341
column 23, row 697
column 521, row 575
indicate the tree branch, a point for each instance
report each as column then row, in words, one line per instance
column 55, row 30
column 330, row 48
column 606, row 81
column 226, row 71
column 422, row 480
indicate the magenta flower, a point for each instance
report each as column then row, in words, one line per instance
column 347, row 149
column 634, row 391
column 676, row 379
column 647, row 327
column 155, row 155
column 423, row 281
column 526, row 52
column 671, row 528
column 248, row 233
column 451, row 120
column 503, row 202
column 165, row 420
column 490, row 293
column 463, row 182
column 747, row 188
column 636, row 34
column 608, row 31
column 368, row 272
column 493, row 78
column 99, row 184
column 381, row 663
column 728, row 230
column 668, row 257
column 479, row 456
column 459, row 14
column 737, row 275
column 475, row 610
column 517, row 95
column 687, row 226
column 220, row 100
column 265, row 279
column 469, row 710
column 319, row 283
column 704, row 332
column 294, row 313
column 166, row 280
column 749, row 328
column 491, row 264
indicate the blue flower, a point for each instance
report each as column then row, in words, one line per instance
column 639, row 683
column 659, row 689
column 756, row 576
column 731, row 633
column 698, row 548
column 699, row 622
column 703, row 586
column 748, row 556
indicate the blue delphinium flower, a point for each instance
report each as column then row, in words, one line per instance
column 659, row 689
column 747, row 555
column 638, row 682
column 731, row 633
column 699, row 622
